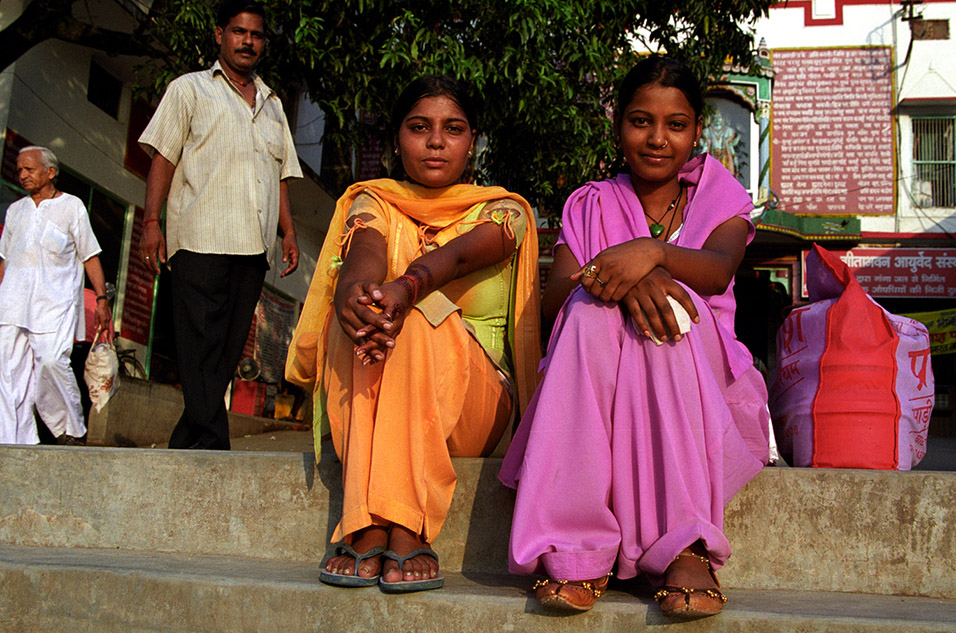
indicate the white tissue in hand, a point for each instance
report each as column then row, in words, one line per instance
column 683, row 319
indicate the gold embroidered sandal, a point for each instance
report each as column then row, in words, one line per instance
column 687, row 602
column 570, row 595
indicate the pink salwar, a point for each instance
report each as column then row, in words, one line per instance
column 629, row 451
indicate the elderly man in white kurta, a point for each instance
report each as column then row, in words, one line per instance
column 46, row 245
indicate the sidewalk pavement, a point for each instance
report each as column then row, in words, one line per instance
column 941, row 453
column 277, row 441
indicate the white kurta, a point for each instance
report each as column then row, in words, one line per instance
column 41, row 311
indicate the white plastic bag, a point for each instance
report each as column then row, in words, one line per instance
column 101, row 372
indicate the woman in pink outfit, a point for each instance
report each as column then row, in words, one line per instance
column 650, row 415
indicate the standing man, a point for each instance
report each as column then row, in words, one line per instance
column 221, row 155
column 47, row 243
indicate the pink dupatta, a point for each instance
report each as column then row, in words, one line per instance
column 602, row 214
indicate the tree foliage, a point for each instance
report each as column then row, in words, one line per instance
column 543, row 70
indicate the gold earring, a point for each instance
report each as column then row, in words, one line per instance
column 469, row 153
column 396, row 151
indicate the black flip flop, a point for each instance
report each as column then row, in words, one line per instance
column 408, row 586
column 353, row 579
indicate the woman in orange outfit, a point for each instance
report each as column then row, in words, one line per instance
column 424, row 299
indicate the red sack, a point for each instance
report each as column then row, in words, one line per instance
column 853, row 384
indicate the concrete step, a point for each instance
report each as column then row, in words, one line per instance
column 888, row 533
column 52, row 590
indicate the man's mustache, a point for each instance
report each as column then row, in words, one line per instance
column 247, row 50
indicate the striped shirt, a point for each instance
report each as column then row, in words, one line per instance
column 229, row 158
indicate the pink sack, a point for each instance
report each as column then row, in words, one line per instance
column 853, row 384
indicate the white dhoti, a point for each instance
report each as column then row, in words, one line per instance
column 35, row 370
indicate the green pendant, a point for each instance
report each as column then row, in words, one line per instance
column 656, row 229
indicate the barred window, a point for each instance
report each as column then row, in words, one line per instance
column 934, row 162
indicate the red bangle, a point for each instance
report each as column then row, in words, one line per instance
column 148, row 220
column 414, row 284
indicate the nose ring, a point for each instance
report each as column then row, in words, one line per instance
column 664, row 145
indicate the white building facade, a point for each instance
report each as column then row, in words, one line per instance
column 80, row 103
column 862, row 157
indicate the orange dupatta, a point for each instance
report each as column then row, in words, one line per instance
column 437, row 208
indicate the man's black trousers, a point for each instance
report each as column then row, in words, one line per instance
column 214, row 299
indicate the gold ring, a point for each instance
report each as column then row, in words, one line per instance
column 600, row 283
column 590, row 270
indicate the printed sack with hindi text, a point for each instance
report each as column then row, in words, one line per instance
column 853, row 385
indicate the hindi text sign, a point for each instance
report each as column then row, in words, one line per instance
column 832, row 131
column 928, row 273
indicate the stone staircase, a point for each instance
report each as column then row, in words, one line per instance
column 134, row 540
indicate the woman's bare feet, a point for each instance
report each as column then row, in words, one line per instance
column 403, row 541
column 362, row 541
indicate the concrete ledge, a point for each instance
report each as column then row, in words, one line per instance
column 194, row 502
column 874, row 532
column 50, row 590
column 143, row 413
column 845, row 530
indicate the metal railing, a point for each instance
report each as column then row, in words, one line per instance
column 934, row 161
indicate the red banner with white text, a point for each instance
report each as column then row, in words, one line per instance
column 913, row 273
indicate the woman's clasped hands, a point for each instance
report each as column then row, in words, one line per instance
column 372, row 315
column 632, row 274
